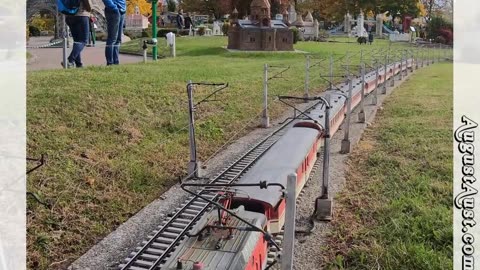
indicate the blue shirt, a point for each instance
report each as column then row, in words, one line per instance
column 120, row 5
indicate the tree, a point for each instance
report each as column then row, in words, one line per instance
column 171, row 5
column 216, row 7
column 143, row 5
column 403, row 8
column 275, row 8
column 438, row 26
column 334, row 10
column 437, row 8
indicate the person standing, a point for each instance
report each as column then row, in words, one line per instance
column 115, row 15
column 93, row 28
column 79, row 27
column 188, row 21
column 180, row 20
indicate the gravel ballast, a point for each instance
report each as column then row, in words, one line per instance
column 114, row 248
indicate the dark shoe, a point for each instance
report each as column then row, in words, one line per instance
column 69, row 64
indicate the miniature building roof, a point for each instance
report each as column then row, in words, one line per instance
column 277, row 24
column 235, row 11
column 260, row 3
column 299, row 21
column 309, row 17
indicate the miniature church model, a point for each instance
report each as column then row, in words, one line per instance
column 260, row 32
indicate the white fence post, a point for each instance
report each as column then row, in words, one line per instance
column 289, row 233
column 265, row 118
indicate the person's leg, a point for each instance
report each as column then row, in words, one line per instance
column 89, row 44
column 112, row 32
column 80, row 38
column 94, row 37
column 84, row 33
column 118, row 42
column 70, row 21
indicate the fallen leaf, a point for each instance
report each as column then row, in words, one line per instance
column 90, row 180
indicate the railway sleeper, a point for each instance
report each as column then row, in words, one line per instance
column 191, row 211
column 157, row 246
column 169, row 235
column 142, row 263
column 148, row 257
column 230, row 176
column 131, row 267
column 187, row 216
column 199, row 204
column 154, row 251
column 172, row 229
column 163, row 240
column 197, row 207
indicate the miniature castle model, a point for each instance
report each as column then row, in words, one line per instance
column 309, row 28
column 136, row 21
column 259, row 32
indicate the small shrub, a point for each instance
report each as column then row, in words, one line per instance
column 34, row 31
column 225, row 28
column 296, row 35
column 447, row 34
column 436, row 25
column 183, row 32
column 362, row 40
column 146, row 34
column 133, row 34
column 440, row 39
column 323, row 35
column 162, row 32
column 201, row 31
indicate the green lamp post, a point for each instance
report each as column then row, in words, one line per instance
column 154, row 28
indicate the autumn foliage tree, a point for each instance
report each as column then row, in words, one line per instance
column 334, row 10
column 211, row 7
column 143, row 5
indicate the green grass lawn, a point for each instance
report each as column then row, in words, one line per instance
column 116, row 138
column 204, row 46
column 395, row 211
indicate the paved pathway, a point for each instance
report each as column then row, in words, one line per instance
column 50, row 58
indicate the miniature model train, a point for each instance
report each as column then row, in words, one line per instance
column 236, row 233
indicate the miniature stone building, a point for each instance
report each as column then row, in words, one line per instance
column 259, row 32
column 309, row 28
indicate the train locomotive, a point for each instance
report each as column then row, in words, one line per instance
column 238, row 231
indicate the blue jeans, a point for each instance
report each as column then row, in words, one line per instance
column 115, row 22
column 79, row 27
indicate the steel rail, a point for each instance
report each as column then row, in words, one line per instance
column 229, row 175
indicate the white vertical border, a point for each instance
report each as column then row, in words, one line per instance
column 466, row 142
column 12, row 134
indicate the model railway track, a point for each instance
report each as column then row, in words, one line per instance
column 155, row 252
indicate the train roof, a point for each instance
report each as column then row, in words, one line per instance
column 285, row 156
column 233, row 254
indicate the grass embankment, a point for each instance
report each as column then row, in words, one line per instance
column 395, row 211
column 116, row 137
